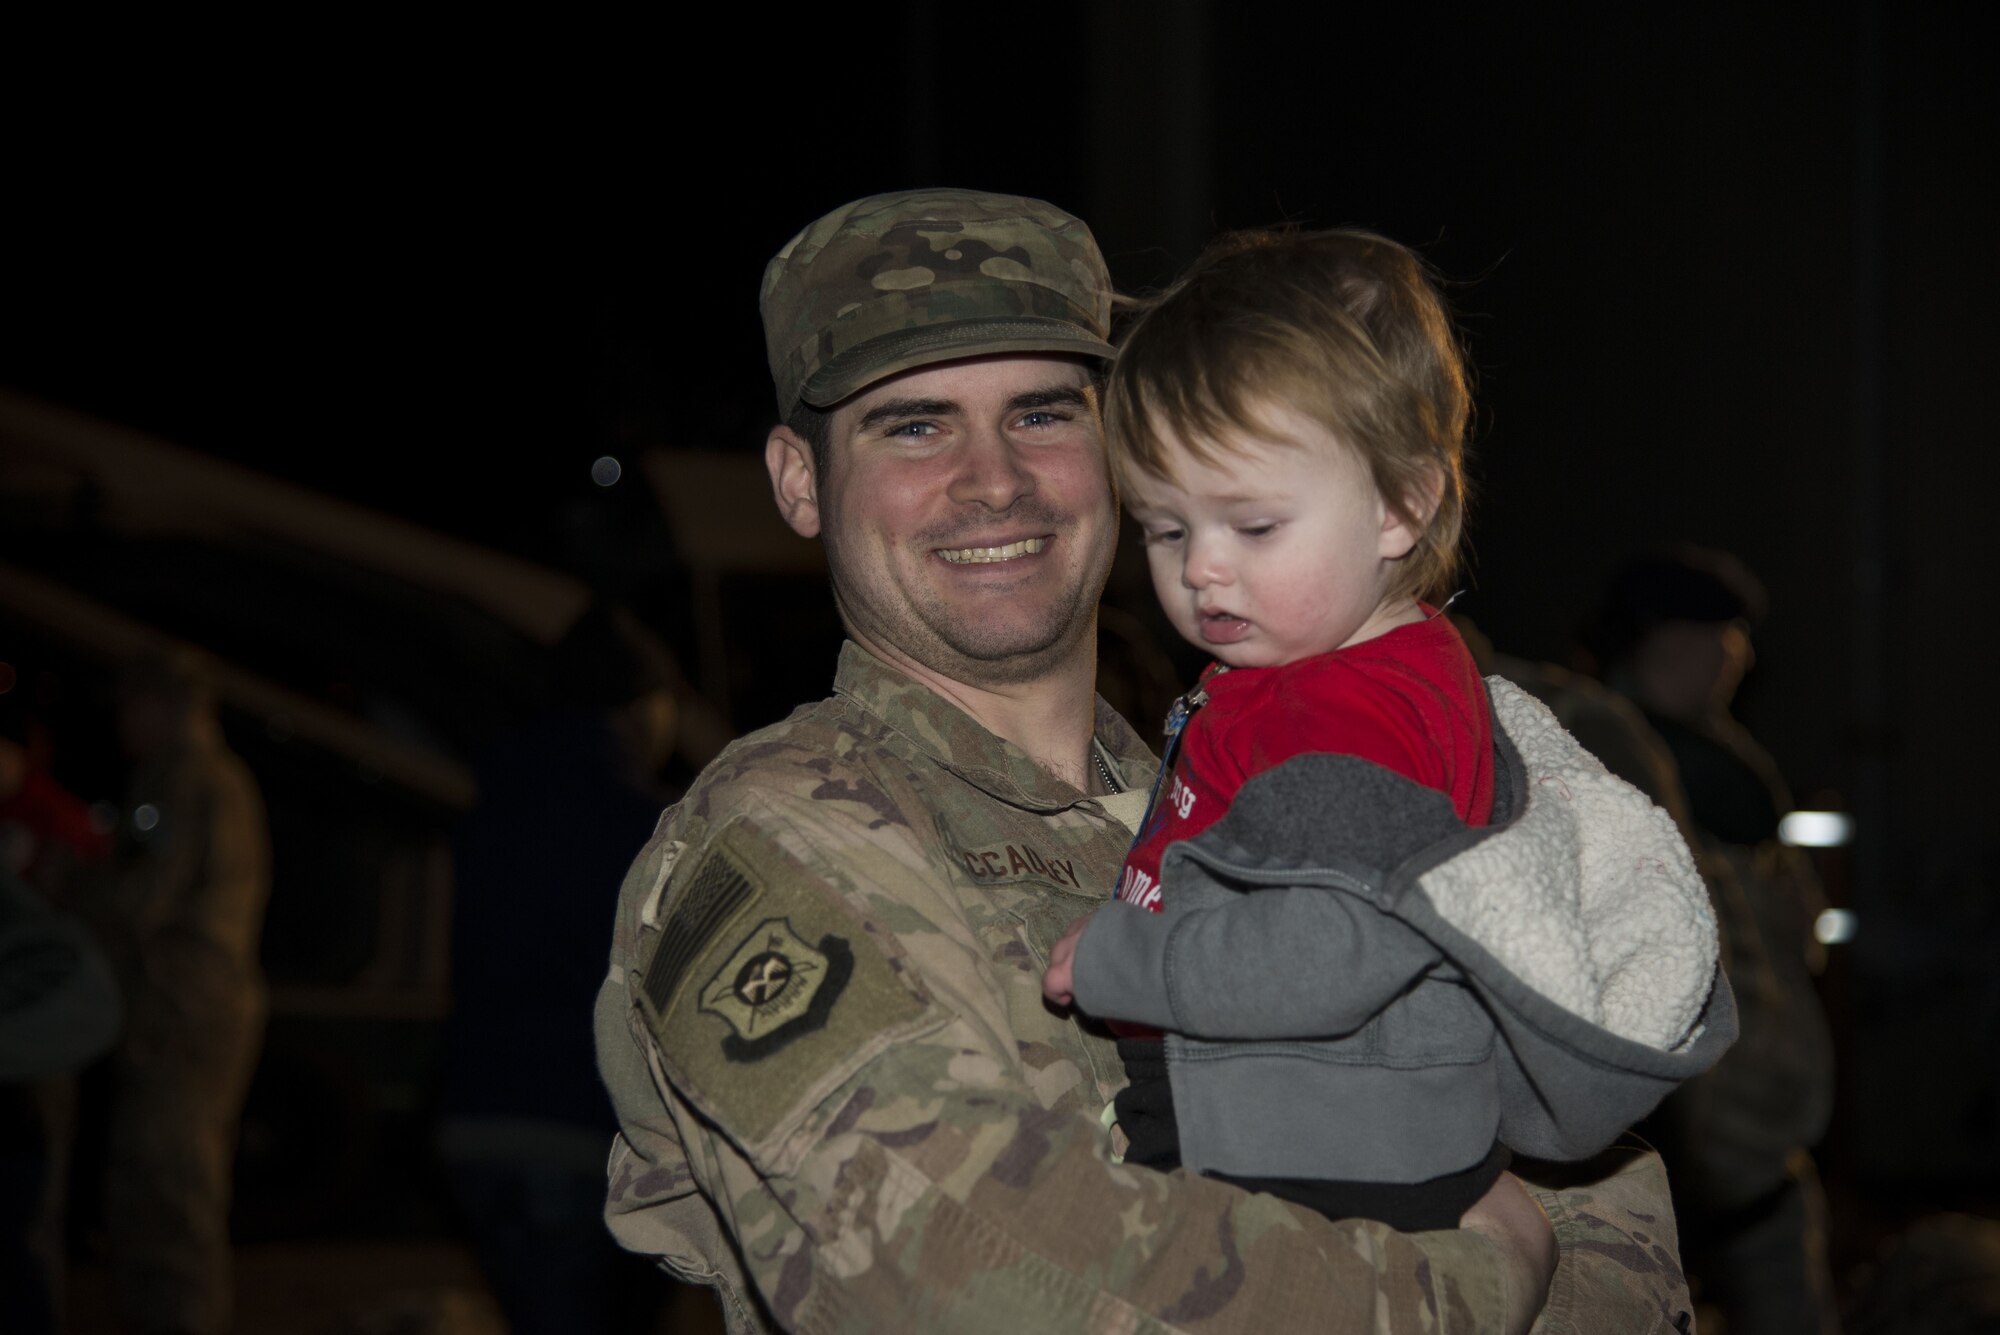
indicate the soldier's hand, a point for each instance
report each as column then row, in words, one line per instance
column 1059, row 982
column 1513, row 1220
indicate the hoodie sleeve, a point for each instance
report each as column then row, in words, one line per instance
column 1297, row 962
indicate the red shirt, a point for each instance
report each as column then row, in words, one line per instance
column 40, row 819
column 1412, row 701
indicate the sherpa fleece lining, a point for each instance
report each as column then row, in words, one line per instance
column 1591, row 898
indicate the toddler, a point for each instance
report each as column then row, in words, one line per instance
column 1362, row 946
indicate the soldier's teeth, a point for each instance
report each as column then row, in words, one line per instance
column 979, row 555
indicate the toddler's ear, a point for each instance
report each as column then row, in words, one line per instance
column 1399, row 535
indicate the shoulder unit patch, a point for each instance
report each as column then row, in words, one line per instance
column 765, row 990
column 776, row 988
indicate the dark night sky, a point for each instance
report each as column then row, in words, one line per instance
column 384, row 270
column 440, row 271
column 1726, row 274
column 442, row 285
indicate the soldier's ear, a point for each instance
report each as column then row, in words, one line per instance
column 794, row 481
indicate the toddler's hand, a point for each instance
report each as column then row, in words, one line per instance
column 1059, row 983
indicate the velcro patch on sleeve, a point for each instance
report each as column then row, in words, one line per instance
column 764, row 993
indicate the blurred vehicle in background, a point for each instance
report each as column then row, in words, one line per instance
column 363, row 662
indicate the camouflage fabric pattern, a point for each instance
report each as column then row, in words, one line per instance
column 1620, row 1268
column 896, row 281
column 951, row 1172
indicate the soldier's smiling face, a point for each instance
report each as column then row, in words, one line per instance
column 969, row 516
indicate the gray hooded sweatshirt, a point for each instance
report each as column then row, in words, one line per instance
column 1403, row 988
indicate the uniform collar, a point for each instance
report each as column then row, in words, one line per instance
column 961, row 744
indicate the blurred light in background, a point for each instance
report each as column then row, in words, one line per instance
column 606, row 471
column 145, row 817
column 1816, row 829
column 1834, row 927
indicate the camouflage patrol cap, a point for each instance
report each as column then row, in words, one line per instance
column 902, row 280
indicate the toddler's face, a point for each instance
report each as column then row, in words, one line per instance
column 1276, row 552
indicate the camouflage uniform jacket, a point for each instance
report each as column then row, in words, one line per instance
column 184, row 913
column 845, row 1106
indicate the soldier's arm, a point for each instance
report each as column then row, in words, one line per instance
column 652, row 1204
column 1618, row 1255
column 875, row 1156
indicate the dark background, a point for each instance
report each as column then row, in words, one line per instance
column 1726, row 275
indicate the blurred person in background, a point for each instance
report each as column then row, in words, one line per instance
column 1939, row 1276
column 46, row 831
column 564, row 803
column 59, row 1010
column 1672, row 635
column 180, row 915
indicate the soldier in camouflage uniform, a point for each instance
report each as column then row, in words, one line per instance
column 844, row 1103
column 181, row 919
column 1673, row 637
